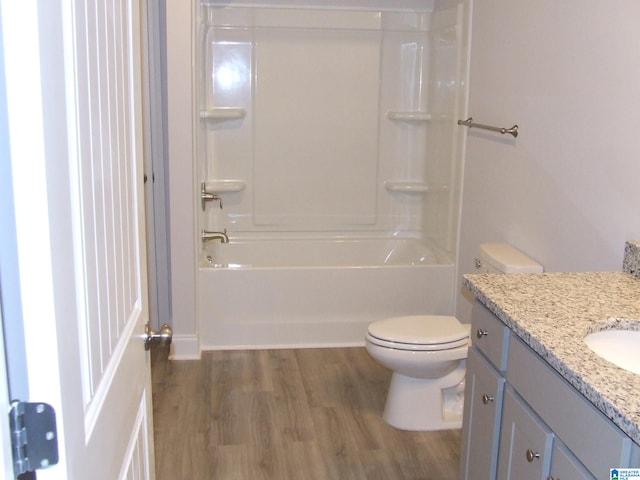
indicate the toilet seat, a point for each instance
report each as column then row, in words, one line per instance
column 419, row 333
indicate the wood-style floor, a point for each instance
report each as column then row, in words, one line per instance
column 287, row 414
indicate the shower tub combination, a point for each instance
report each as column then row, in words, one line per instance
column 316, row 292
column 327, row 137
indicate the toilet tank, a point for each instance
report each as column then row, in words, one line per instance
column 503, row 258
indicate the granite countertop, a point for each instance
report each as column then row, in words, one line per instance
column 552, row 312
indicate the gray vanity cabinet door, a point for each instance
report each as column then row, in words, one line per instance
column 564, row 465
column 481, row 426
column 525, row 442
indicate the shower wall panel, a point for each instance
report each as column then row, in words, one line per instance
column 316, row 128
column 404, row 123
column 447, row 69
column 329, row 120
column 225, row 147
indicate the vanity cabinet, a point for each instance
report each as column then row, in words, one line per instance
column 537, row 425
column 484, row 387
column 483, row 406
column 564, row 464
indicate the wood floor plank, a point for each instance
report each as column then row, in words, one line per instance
column 287, row 414
column 338, row 448
column 305, row 460
column 266, row 458
column 379, row 465
column 230, row 462
column 292, row 413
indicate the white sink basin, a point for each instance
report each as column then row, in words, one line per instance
column 620, row 347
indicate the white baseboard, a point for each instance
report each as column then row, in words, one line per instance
column 185, row 347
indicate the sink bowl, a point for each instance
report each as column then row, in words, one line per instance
column 620, row 347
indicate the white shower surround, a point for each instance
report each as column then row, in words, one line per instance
column 327, row 131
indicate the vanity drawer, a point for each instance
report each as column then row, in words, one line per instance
column 490, row 335
column 592, row 438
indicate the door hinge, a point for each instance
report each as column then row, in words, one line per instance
column 34, row 437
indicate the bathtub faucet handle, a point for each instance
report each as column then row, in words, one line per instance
column 222, row 236
column 205, row 196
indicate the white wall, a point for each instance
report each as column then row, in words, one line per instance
column 567, row 190
column 181, row 185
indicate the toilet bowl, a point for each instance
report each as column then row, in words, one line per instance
column 427, row 354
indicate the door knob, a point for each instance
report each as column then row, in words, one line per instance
column 531, row 455
column 162, row 336
column 487, row 398
column 481, row 333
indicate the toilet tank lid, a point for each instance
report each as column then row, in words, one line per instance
column 508, row 259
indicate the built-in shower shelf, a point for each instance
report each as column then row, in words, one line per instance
column 411, row 117
column 414, row 187
column 225, row 186
column 223, row 114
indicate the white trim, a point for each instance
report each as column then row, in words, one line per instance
column 104, row 386
column 283, row 346
column 6, row 459
column 132, row 448
column 30, row 156
column 154, row 156
column 181, row 177
column 185, row 347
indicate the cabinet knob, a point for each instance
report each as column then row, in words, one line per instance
column 531, row 455
column 487, row 398
column 481, row 333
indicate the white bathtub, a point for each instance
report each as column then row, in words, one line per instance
column 311, row 293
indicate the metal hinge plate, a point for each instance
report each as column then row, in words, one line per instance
column 34, row 437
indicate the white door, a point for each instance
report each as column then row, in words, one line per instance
column 73, row 89
column 6, row 463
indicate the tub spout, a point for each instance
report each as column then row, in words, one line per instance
column 222, row 236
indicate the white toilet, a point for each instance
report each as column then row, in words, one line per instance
column 427, row 354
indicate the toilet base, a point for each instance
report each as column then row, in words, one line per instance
column 425, row 404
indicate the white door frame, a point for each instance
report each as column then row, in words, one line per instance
column 6, row 461
column 155, row 157
column 7, row 247
column 27, row 141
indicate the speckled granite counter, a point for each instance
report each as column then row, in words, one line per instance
column 631, row 262
column 552, row 312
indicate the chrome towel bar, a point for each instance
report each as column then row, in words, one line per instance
column 469, row 123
